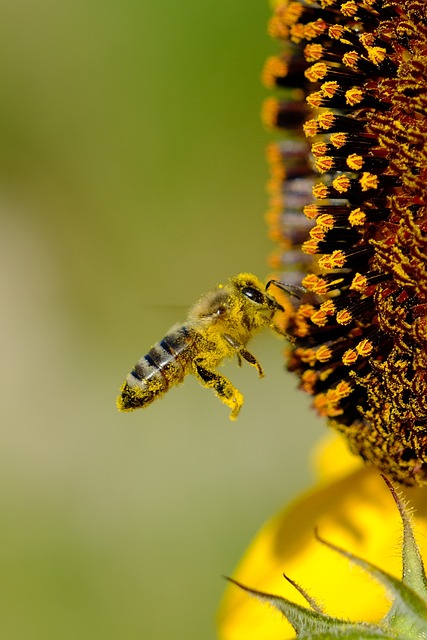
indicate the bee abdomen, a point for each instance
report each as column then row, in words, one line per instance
column 162, row 367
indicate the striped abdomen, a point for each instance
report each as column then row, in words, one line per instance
column 163, row 366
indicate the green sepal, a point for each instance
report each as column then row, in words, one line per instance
column 311, row 624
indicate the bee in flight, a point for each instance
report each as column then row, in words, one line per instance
column 218, row 327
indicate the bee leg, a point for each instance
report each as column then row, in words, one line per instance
column 252, row 360
column 242, row 353
column 222, row 387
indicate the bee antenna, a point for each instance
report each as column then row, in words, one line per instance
column 291, row 289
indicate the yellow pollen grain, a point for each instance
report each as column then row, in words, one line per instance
column 323, row 353
column 315, row 99
column 327, row 3
column 313, row 52
column 349, row 9
column 353, row 96
column 357, row 217
column 326, row 119
column 350, row 357
column 310, row 247
column 324, row 163
column 354, row 162
column 274, row 68
column 364, row 348
column 319, row 149
column 320, row 191
column 316, row 72
column 359, row 283
column 344, row 317
column 269, row 112
column 338, row 139
column 336, row 260
column 326, row 220
column 368, row 181
column 329, row 88
column 350, row 59
column 341, row 184
column 319, row 318
column 376, row 54
column 310, row 128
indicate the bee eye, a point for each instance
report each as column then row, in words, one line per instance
column 253, row 294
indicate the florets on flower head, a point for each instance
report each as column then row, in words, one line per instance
column 360, row 69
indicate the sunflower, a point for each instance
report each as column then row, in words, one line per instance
column 348, row 208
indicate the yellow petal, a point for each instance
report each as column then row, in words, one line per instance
column 357, row 512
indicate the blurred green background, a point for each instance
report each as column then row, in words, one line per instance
column 132, row 179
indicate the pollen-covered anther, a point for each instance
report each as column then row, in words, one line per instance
column 350, row 357
column 350, row 59
column 310, row 247
column 316, row 72
column 364, row 348
column 349, row 9
column 323, row 353
column 357, row 217
column 319, row 318
column 338, row 139
column 329, row 88
column 354, row 96
column 314, row 29
column 270, row 111
column 324, row 164
column 274, row 68
column 359, row 283
column 319, row 149
column 354, row 162
column 313, row 283
column 310, row 128
column 340, row 391
column 326, row 221
column 336, row 31
column 320, row 191
column 308, row 356
column 335, row 260
column 341, row 183
column 315, row 99
column 311, row 211
column 328, row 307
column 368, row 181
column 317, row 233
column 313, row 52
column 344, row 317
column 326, row 119
column 376, row 54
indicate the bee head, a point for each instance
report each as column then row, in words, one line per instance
column 253, row 290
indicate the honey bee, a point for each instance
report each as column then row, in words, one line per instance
column 218, row 327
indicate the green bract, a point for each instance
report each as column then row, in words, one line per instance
column 406, row 618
